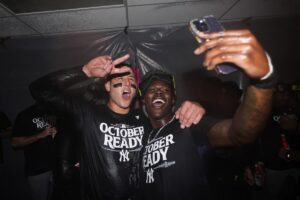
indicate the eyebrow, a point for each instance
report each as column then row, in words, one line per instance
column 112, row 76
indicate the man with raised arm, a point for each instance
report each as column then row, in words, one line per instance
column 171, row 165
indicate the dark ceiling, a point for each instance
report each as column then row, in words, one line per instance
column 27, row 6
column 51, row 17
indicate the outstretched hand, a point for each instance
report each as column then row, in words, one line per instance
column 235, row 46
column 103, row 65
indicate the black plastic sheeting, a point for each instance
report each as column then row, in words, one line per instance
column 169, row 48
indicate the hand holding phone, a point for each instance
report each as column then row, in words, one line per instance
column 210, row 24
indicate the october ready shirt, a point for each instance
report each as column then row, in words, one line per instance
column 172, row 166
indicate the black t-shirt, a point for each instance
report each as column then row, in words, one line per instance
column 4, row 123
column 109, row 142
column 172, row 166
column 39, row 154
column 110, row 145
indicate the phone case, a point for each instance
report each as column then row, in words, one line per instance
column 210, row 24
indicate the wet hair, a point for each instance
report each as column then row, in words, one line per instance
column 153, row 75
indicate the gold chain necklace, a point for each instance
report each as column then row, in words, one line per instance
column 161, row 128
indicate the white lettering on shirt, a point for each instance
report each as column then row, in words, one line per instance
column 122, row 137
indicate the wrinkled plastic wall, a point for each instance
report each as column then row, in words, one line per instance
column 170, row 49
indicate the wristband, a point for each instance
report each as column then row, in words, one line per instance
column 269, row 80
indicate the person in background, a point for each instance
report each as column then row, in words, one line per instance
column 280, row 146
column 33, row 132
column 5, row 132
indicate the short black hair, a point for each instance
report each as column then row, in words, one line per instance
column 153, row 75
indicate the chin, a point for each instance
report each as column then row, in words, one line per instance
column 156, row 116
column 125, row 106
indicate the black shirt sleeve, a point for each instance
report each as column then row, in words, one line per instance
column 200, row 130
column 62, row 90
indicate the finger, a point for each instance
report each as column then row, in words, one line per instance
column 185, row 115
column 195, row 116
column 231, row 49
column 198, row 118
column 189, row 117
column 207, row 45
column 177, row 113
column 120, row 60
column 235, row 58
column 180, row 112
column 222, row 41
column 226, row 33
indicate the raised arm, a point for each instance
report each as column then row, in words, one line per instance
column 241, row 48
column 56, row 90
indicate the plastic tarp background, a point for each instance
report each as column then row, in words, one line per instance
column 168, row 48
column 26, row 59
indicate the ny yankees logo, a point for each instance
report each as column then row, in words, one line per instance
column 150, row 178
column 124, row 156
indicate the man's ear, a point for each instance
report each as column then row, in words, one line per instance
column 107, row 86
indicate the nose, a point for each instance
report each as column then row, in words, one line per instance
column 158, row 91
column 126, row 82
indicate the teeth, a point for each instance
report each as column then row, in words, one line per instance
column 158, row 101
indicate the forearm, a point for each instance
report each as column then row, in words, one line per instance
column 55, row 82
column 248, row 121
column 18, row 142
column 54, row 90
column 5, row 133
column 251, row 116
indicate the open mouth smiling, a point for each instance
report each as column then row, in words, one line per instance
column 126, row 93
column 158, row 102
